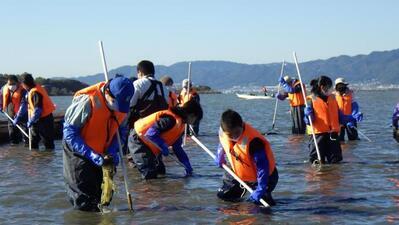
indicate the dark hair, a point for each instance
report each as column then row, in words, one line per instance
column 166, row 80
column 318, row 82
column 28, row 80
column 13, row 78
column 230, row 119
column 146, row 67
column 189, row 108
column 341, row 88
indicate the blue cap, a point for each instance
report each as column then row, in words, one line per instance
column 122, row 90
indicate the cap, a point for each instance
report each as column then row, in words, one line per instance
column 287, row 79
column 340, row 80
column 122, row 90
column 184, row 84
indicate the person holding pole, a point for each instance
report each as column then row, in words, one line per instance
column 293, row 90
column 13, row 104
column 326, row 119
column 187, row 95
column 90, row 142
column 348, row 106
column 40, row 113
column 155, row 134
column 251, row 159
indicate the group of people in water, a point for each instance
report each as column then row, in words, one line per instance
column 146, row 118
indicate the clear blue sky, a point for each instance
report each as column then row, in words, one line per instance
column 59, row 38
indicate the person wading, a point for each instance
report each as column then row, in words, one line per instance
column 172, row 96
column 13, row 102
column 326, row 117
column 90, row 141
column 395, row 121
column 185, row 97
column 155, row 134
column 40, row 113
column 149, row 97
column 293, row 91
column 251, row 158
column 348, row 106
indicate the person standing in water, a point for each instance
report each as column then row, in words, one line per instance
column 13, row 102
column 326, row 117
column 90, row 142
column 395, row 121
column 293, row 91
column 40, row 113
column 157, row 133
column 251, row 158
column 172, row 96
column 187, row 95
column 348, row 106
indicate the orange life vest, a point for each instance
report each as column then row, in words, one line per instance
column 344, row 102
column 296, row 99
column 238, row 153
column 48, row 105
column 16, row 98
column 326, row 119
column 169, row 137
column 184, row 97
column 102, row 124
column 172, row 101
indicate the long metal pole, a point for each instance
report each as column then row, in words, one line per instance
column 306, row 104
column 128, row 195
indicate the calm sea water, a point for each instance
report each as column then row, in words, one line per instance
column 364, row 189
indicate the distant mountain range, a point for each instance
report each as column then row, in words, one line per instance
column 380, row 67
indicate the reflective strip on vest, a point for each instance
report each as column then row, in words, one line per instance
column 170, row 136
column 102, row 125
column 326, row 118
column 48, row 105
column 238, row 154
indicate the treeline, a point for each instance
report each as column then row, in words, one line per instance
column 53, row 87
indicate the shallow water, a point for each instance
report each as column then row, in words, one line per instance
column 364, row 189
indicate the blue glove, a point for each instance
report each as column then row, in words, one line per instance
column 281, row 80
column 182, row 157
column 358, row 117
column 29, row 124
column 94, row 157
column 254, row 197
column 308, row 114
column 15, row 122
column 350, row 125
column 154, row 135
column 71, row 135
column 220, row 159
column 113, row 150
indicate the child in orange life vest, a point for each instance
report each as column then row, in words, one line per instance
column 326, row 118
column 250, row 157
column 159, row 131
column 348, row 106
column 172, row 97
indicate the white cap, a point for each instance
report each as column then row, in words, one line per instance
column 287, row 79
column 340, row 80
column 184, row 83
